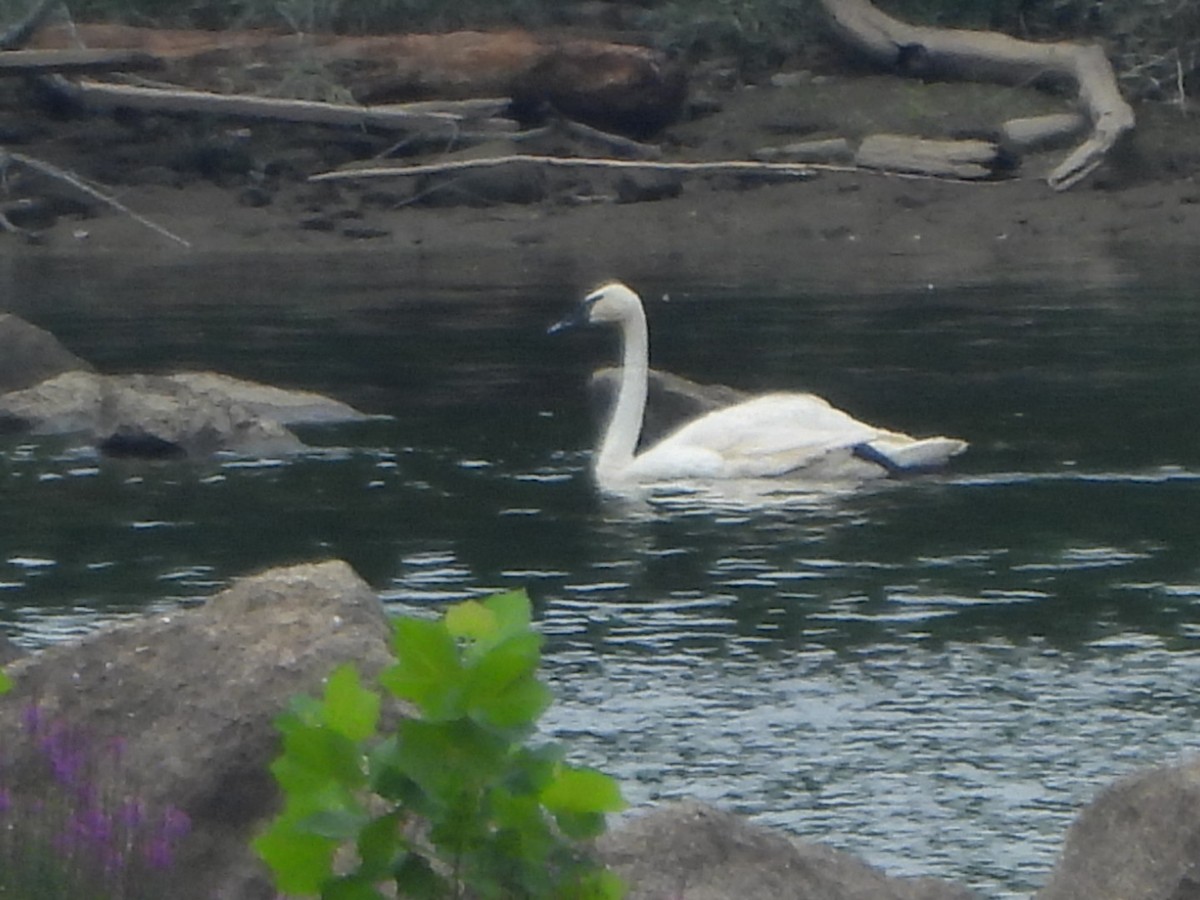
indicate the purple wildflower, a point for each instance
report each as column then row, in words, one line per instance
column 31, row 719
column 132, row 813
column 175, row 823
column 159, row 853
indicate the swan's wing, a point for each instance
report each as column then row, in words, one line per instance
column 899, row 452
column 764, row 437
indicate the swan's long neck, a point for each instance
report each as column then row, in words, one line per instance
column 625, row 423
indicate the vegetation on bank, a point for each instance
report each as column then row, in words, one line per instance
column 453, row 800
column 1155, row 44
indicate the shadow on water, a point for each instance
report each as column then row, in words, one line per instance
column 934, row 673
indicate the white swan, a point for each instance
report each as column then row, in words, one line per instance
column 779, row 435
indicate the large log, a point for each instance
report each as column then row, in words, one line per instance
column 75, row 62
column 988, row 56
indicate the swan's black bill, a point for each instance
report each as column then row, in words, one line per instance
column 577, row 317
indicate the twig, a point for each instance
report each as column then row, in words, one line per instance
column 801, row 171
column 798, row 170
column 76, row 182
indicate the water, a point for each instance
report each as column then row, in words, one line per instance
column 933, row 673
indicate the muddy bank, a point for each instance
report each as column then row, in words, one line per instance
column 234, row 187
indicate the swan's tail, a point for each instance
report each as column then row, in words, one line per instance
column 899, row 455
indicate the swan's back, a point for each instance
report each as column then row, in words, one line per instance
column 766, row 437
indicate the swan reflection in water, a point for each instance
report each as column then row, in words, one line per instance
column 774, row 438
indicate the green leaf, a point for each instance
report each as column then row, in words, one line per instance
column 335, row 824
column 378, row 845
column 580, row 826
column 518, row 707
column 600, row 884
column 5, row 683
column 491, row 621
column 301, row 862
column 577, row 789
column 350, row 709
column 315, row 754
column 447, row 759
column 416, row 879
column 471, row 620
column 502, row 686
column 350, row 887
column 428, row 671
column 513, row 611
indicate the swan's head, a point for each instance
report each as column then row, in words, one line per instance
column 611, row 302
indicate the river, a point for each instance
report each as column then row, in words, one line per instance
column 934, row 673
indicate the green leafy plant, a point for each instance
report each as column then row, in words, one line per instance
column 5, row 683
column 454, row 802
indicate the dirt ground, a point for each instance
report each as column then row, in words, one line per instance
column 231, row 187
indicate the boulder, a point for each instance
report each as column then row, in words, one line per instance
column 688, row 849
column 9, row 651
column 670, row 400
column 190, row 415
column 189, row 697
column 29, row 354
column 1138, row 840
column 288, row 407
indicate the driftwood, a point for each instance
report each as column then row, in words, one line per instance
column 988, row 56
column 40, row 62
column 968, row 160
column 822, row 151
column 1042, row 132
column 98, row 96
column 75, row 183
column 703, row 168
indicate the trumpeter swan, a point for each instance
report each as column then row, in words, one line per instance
column 778, row 435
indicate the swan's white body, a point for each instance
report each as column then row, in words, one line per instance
column 782, row 435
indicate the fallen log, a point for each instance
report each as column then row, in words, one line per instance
column 96, row 96
column 988, row 56
column 75, row 62
column 968, row 160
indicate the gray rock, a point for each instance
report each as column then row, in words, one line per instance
column 29, row 354
column 192, row 695
column 9, row 651
column 1138, row 840
column 688, row 849
column 192, row 414
column 288, row 407
column 671, row 400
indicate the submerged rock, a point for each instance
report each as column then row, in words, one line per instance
column 45, row 389
column 688, row 849
column 29, row 354
column 149, row 416
column 190, row 697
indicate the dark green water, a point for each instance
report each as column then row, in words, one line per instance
column 933, row 673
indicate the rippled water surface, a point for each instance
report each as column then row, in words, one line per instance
column 934, row 673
